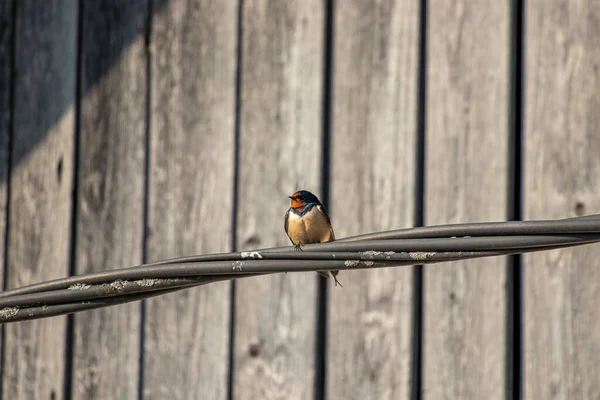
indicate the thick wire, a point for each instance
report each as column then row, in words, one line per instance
column 403, row 247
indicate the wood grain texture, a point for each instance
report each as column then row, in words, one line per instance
column 41, row 188
column 110, row 214
column 280, row 143
column 6, row 45
column 372, row 188
column 190, row 193
column 464, row 303
column 561, row 289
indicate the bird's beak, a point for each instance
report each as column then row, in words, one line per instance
column 291, row 197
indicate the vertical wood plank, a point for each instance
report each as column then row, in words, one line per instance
column 6, row 59
column 561, row 289
column 41, row 188
column 190, row 193
column 373, row 186
column 464, row 303
column 6, row 46
column 110, row 214
column 280, row 142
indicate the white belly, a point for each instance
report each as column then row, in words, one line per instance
column 312, row 227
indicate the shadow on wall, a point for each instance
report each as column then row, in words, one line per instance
column 40, row 64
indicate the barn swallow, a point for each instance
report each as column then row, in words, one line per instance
column 307, row 222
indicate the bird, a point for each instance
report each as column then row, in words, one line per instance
column 306, row 222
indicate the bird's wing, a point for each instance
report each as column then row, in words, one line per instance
column 324, row 213
column 285, row 224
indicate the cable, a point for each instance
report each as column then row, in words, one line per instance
column 403, row 247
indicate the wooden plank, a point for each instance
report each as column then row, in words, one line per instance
column 6, row 47
column 280, row 141
column 41, row 188
column 110, row 212
column 561, row 289
column 465, row 305
column 6, row 43
column 190, row 193
column 373, row 185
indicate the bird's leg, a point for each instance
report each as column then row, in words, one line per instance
column 297, row 247
column 326, row 274
column 336, row 281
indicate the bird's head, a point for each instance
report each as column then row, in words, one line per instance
column 302, row 198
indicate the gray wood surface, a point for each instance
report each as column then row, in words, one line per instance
column 372, row 188
column 561, row 291
column 190, row 193
column 6, row 25
column 464, row 303
column 280, row 142
column 41, row 189
column 110, row 209
column 191, row 159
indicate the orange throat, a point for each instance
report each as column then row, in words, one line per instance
column 298, row 204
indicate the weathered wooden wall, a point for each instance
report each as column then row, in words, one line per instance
column 190, row 193
column 373, row 162
column 561, row 289
column 110, row 190
column 466, row 180
column 134, row 131
column 40, row 186
column 280, row 100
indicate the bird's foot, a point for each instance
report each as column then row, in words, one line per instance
column 297, row 247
